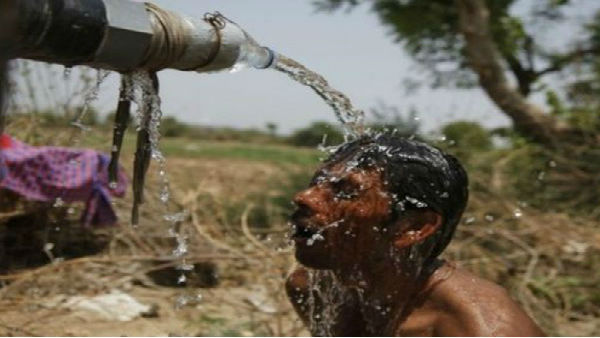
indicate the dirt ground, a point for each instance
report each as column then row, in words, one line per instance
column 234, row 314
column 236, row 286
column 242, row 296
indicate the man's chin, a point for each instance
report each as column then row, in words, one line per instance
column 312, row 259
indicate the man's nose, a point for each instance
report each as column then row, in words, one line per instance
column 312, row 198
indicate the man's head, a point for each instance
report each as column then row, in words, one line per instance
column 377, row 196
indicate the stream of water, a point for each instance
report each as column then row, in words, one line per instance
column 144, row 93
column 352, row 119
column 327, row 293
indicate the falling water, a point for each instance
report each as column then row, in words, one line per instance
column 327, row 294
column 145, row 95
column 144, row 92
column 325, row 298
column 351, row 118
column 89, row 98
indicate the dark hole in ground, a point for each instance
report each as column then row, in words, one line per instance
column 40, row 233
column 203, row 275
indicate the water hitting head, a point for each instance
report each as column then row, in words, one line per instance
column 379, row 199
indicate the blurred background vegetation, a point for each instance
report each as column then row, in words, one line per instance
column 532, row 224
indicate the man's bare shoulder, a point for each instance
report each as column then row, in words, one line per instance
column 470, row 305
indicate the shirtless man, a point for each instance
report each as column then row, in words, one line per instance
column 371, row 226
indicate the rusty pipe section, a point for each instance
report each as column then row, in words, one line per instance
column 124, row 35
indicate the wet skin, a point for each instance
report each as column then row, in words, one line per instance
column 343, row 225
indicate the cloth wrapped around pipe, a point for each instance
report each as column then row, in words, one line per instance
column 46, row 174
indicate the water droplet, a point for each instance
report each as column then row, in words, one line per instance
column 314, row 238
column 416, row 202
column 176, row 218
column 164, row 196
column 182, row 279
column 58, row 202
column 184, row 300
column 517, row 213
column 185, row 267
column 67, row 72
column 541, row 175
column 181, row 249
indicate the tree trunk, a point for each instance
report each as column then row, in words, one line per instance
column 485, row 60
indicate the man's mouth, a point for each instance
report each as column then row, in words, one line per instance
column 300, row 231
column 301, row 227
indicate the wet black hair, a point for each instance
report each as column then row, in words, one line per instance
column 417, row 176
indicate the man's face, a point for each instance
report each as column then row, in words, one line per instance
column 340, row 217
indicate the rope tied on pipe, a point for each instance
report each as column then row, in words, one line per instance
column 170, row 38
column 168, row 41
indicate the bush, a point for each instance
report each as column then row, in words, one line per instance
column 466, row 137
column 312, row 135
column 171, row 127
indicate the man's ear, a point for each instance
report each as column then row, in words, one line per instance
column 419, row 228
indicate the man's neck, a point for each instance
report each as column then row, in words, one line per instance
column 385, row 294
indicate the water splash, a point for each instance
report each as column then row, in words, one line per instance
column 67, row 72
column 350, row 117
column 149, row 115
column 89, row 98
column 143, row 91
column 188, row 300
column 325, row 298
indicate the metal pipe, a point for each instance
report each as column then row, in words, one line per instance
column 123, row 35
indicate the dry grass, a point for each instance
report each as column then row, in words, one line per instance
column 549, row 261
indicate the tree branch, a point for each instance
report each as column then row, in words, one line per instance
column 484, row 58
column 560, row 62
column 525, row 77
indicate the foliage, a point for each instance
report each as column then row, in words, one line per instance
column 467, row 138
column 429, row 31
column 314, row 135
column 272, row 206
column 257, row 152
column 109, row 119
column 556, row 180
column 388, row 117
column 171, row 127
column 271, row 128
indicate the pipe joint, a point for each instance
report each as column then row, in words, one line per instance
column 127, row 36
